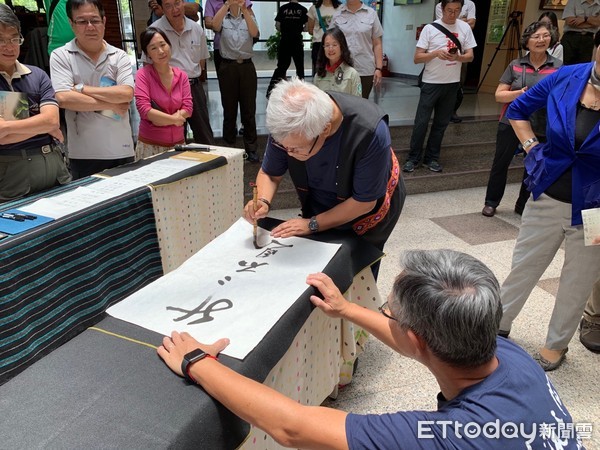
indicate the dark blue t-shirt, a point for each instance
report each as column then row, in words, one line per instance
column 39, row 91
column 371, row 172
column 516, row 407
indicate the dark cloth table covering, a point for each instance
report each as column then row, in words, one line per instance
column 57, row 279
column 103, row 391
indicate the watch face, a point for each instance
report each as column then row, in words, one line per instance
column 313, row 225
column 195, row 355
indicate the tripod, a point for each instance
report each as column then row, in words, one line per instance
column 515, row 36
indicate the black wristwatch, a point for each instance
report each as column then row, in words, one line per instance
column 189, row 359
column 313, row 225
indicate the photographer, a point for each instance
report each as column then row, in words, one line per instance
column 443, row 47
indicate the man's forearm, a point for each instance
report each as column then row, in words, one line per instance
column 19, row 130
column 110, row 94
column 75, row 101
column 267, row 185
column 593, row 21
column 424, row 57
column 343, row 213
column 467, row 57
column 289, row 423
column 373, row 322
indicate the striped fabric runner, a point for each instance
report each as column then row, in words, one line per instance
column 59, row 280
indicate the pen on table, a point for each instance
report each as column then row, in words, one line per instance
column 11, row 216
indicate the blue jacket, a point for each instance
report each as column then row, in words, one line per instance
column 560, row 93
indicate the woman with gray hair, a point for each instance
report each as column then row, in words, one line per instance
column 30, row 158
column 337, row 148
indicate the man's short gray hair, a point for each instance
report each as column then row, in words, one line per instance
column 452, row 301
column 296, row 107
column 8, row 18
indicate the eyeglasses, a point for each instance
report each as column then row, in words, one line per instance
column 295, row 150
column 383, row 310
column 328, row 46
column 85, row 22
column 14, row 41
column 542, row 37
column 169, row 7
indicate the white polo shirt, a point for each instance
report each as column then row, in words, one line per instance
column 188, row 48
column 92, row 135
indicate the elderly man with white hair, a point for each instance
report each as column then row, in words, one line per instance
column 337, row 148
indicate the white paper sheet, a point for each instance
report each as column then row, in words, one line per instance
column 233, row 289
column 86, row 196
column 591, row 226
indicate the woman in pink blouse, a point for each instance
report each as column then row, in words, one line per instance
column 162, row 97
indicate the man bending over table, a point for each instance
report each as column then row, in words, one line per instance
column 444, row 311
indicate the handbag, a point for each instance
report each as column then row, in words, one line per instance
column 451, row 36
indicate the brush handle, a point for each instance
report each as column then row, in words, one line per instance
column 255, row 204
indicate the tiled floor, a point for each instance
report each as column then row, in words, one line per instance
column 387, row 382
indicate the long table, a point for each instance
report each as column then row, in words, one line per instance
column 59, row 278
column 107, row 387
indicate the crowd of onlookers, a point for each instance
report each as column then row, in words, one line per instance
column 337, row 150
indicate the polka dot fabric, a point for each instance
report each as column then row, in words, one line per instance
column 192, row 211
column 320, row 357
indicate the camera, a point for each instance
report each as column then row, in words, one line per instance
column 453, row 50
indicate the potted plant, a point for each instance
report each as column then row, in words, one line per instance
column 273, row 45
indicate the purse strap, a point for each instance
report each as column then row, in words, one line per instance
column 321, row 21
column 448, row 33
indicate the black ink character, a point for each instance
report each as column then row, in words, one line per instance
column 251, row 267
column 271, row 250
column 227, row 278
column 205, row 312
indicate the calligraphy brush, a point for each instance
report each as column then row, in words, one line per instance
column 255, row 204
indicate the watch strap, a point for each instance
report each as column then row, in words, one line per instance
column 529, row 142
column 313, row 225
column 189, row 359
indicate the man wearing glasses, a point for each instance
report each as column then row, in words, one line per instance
column 444, row 312
column 94, row 84
column 189, row 52
column 29, row 159
column 337, row 148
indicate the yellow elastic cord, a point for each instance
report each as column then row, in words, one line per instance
column 110, row 333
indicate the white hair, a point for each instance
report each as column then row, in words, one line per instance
column 296, row 107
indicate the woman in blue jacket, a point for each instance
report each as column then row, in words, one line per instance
column 564, row 178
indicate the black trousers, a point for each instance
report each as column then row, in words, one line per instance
column 437, row 99
column 366, row 85
column 199, row 122
column 577, row 47
column 217, row 59
column 238, row 85
column 314, row 53
column 506, row 144
column 81, row 168
column 289, row 48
